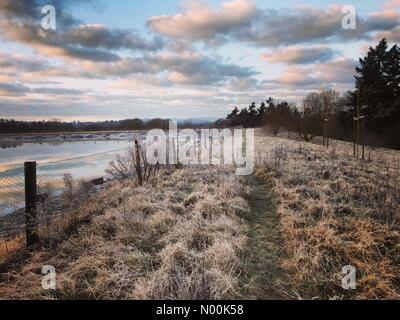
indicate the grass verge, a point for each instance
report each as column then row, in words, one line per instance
column 179, row 237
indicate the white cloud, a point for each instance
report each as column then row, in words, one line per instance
column 202, row 22
column 242, row 21
column 300, row 55
column 339, row 71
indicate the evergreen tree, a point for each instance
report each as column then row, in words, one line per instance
column 378, row 84
column 392, row 71
column 244, row 117
column 253, row 115
column 234, row 114
column 261, row 112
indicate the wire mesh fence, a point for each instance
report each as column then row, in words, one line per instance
column 11, row 191
column 54, row 181
column 12, row 197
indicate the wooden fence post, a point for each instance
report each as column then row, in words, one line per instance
column 354, row 137
column 138, row 163
column 326, row 138
column 174, row 152
column 30, row 203
column 363, row 136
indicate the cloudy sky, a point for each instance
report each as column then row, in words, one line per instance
column 178, row 59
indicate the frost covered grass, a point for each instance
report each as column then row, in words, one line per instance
column 336, row 211
column 204, row 233
column 178, row 237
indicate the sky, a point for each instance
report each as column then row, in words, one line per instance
column 178, row 59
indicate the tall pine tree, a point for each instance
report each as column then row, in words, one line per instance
column 378, row 85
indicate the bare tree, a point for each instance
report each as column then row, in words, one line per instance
column 123, row 167
column 133, row 164
column 318, row 109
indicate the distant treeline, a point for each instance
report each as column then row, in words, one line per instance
column 377, row 93
column 14, row 126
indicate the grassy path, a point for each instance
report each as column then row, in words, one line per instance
column 264, row 278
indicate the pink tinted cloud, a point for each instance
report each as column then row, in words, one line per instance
column 300, row 55
column 199, row 21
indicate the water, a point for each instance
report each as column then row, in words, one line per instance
column 14, row 157
column 81, row 159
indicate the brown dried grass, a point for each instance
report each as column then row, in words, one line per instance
column 178, row 238
column 336, row 211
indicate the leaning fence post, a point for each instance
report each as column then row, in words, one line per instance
column 30, row 203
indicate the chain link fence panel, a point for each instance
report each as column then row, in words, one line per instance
column 54, row 181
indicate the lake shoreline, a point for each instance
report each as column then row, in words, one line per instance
column 14, row 152
column 12, row 140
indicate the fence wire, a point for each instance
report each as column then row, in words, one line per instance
column 12, row 194
column 53, row 181
column 12, row 202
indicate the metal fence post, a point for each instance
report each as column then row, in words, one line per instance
column 30, row 203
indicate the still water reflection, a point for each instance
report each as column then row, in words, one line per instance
column 14, row 157
column 81, row 159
